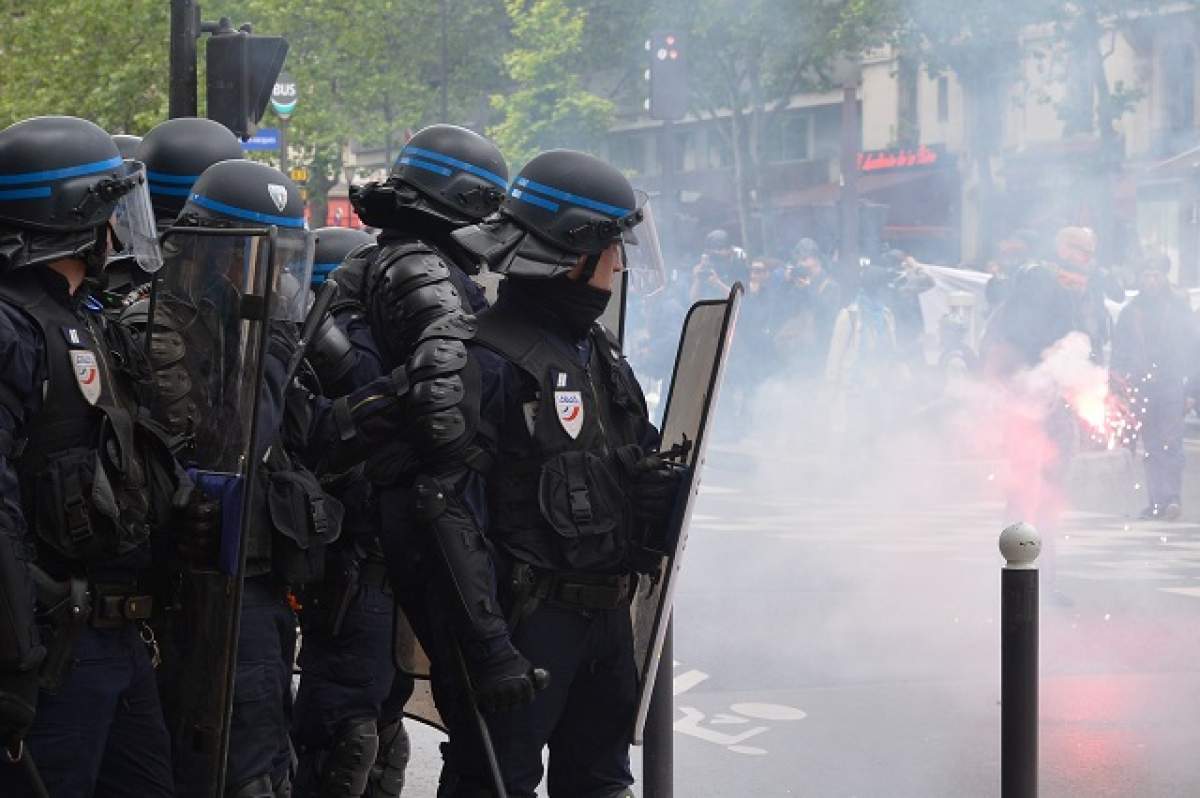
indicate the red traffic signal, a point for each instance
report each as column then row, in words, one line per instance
column 668, row 76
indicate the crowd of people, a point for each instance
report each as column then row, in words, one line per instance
column 865, row 352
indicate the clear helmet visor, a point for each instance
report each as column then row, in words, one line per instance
column 133, row 222
column 294, row 251
column 643, row 252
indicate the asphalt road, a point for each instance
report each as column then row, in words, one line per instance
column 837, row 635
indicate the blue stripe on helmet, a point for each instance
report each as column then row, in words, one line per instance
column 534, row 199
column 478, row 171
column 60, row 174
column 157, row 188
column 164, row 177
column 426, row 165
column 296, row 222
column 575, row 199
column 25, row 193
column 321, row 271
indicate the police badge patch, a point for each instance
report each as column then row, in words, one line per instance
column 87, row 374
column 569, row 405
column 278, row 195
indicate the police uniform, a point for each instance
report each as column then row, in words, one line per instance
column 83, row 483
column 549, row 495
column 398, row 303
column 202, row 309
column 347, row 672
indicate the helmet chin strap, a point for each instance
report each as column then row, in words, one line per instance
column 590, row 264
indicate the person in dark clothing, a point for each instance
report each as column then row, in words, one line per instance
column 811, row 299
column 1154, row 347
column 81, row 507
column 562, row 481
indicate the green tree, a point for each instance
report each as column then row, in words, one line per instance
column 549, row 104
column 106, row 62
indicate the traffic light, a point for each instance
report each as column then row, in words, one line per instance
column 242, row 68
column 668, row 76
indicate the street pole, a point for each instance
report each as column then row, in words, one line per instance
column 283, row 147
column 1020, row 545
column 849, row 159
column 658, row 756
column 445, row 65
column 185, row 31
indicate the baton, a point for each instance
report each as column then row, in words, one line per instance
column 485, row 736
column 316, row 314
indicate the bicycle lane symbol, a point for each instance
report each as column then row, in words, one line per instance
column 741, row 714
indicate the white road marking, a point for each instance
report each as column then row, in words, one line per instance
column 686, row 681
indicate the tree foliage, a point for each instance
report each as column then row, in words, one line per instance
column 549, row 104
column 106, row 62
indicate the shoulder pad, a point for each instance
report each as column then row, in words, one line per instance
column 457, row 326
column 403, row 268
column 351, row 275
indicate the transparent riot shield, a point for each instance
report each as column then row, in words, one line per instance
column 211, row 307
column 691, row 404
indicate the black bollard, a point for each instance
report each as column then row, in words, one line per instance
column 1020, row 545
column 658, row 755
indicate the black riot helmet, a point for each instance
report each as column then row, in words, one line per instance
column 62, row 182
column 334, row 245
column 176, row 153
column 444, row 171
column 564, row 205
column 127, row 145
column 234, row 195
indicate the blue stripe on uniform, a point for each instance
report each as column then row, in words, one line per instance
column 427, row 166
column 164, row 177
column 59, row 174
column 251, row 216
column 478, row 171
column 25, row 193
column 575, row 199
column 534, row 199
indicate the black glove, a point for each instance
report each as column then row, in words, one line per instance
column 503, row 681
column 654, row 489
column 198, row 538
column 18, row 703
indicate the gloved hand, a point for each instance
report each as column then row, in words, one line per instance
column 503, row 681
column 18, row 703
column 654, row 489
column 198, row 531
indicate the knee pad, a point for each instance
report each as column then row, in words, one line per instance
column 258, row 787
column 387, row 774
column 349, row 764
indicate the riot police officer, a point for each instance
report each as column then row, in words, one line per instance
column 176, row 152
column 222, row 365
column 408, row 297
column 346, row 662
column 547, row 482
column 78, row 475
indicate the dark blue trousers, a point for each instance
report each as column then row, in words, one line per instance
column 102, row 734
column 585, row 716
column 1162, row 441
column 262, row 694
column 345, row 677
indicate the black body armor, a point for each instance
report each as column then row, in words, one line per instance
column 558, row 501
column 86, row 480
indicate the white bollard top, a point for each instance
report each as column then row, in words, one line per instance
column 1020, row 544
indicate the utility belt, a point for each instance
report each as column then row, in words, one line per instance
column 532, row 586
column 67, row 606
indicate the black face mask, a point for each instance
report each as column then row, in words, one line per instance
column 573, row 303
